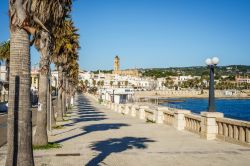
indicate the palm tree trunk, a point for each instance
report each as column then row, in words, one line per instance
column 49, row 116
column 67, row 94
column 42, row 44
column 7, row 69
column 19, row 135
column 64, row 94
column 59, row 97
column 41, row 136
column 51, row 121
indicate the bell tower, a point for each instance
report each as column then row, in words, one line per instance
column 117, row 63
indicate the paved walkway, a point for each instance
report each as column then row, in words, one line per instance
column 95, row 135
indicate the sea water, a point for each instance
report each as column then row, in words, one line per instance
column 232, row 108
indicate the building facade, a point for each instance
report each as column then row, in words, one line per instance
column 130, row 72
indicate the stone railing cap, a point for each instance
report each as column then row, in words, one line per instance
column 212, row 114
column 182, row 111
column 162, row 108
column 143, row 106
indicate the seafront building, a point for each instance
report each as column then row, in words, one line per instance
column 3, row 83
column 240, row 79
column 34, row 78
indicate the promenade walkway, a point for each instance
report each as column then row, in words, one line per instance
column 95, row 135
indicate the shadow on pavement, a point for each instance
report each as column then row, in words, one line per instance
column 85, row 112
column 93, row 128
column 116, row 145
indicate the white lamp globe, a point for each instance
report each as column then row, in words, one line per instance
column 208, row 61
column 215, row 60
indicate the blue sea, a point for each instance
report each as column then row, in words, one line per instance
column 232, row 108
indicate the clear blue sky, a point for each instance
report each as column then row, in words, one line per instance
column 157, row 33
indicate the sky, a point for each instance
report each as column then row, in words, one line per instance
column 156, row 33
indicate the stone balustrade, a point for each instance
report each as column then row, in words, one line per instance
column 168, row 116
column 127, row 109
column 233, row 131
column 150, row 115
column 142, row 114
column 209, row 125
column 135, row 110
column 193, row 123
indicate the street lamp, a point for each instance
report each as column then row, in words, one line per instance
column 211, row 63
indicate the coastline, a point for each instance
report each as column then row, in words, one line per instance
column 187, row 94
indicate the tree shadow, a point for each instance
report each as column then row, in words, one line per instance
column 93, row 128
column 85, row 112
column 116, row 145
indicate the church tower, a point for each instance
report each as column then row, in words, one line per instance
column 117, row 63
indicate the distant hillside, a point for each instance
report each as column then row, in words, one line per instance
column 231, row 70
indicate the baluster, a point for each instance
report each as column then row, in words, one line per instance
column 191, row 124
column 196, row 126
column 242, row 134
column 220, row 128
column 248, row 135
column 236, row 133
column 225, row 130
column 230, row 129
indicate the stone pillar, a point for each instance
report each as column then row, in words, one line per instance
column 109, row 105
column 112, row 106
column 127, row 109
column 120, row 108
column 133, row 110
column 248, row 135
column 142, row 112
column 209, row 127
column 116, row 107
column 179, row 119
column 159, row 116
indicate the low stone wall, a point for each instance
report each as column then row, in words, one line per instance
column 3, row 126
column 3, row 129
column 209, row 125
column 233, row 130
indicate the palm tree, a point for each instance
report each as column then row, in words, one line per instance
column 111, row 83
column 98, row 83
column 19, row 115
column 102, row 83
column 64, row 50
column 94, row 82
column 72, row 78
column 5, row 55
column 51, row 14
column 126, row 83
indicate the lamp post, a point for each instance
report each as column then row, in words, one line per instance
column 211, row 63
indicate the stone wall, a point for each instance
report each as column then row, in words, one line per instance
column 3, row 126
column 209, row 125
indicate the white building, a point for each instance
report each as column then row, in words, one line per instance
column 3, row 83
column 3, row 73
column 54, row 78
column 117, row 95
